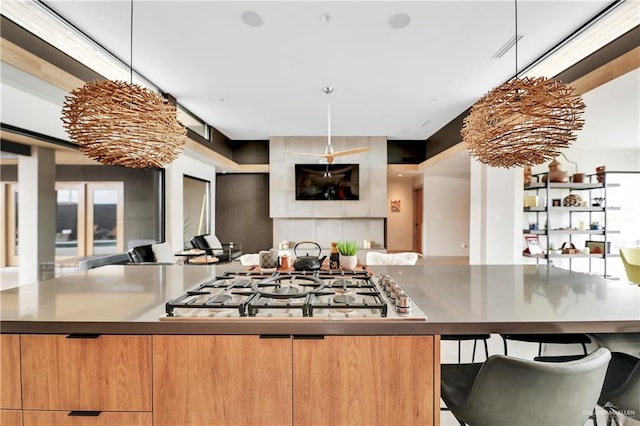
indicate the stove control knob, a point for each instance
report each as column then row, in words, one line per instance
column 394, row 291
column 403, row 303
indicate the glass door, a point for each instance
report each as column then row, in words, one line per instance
column 70, row 218
column 105, row 218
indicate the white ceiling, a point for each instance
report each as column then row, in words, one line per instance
column 253, row 83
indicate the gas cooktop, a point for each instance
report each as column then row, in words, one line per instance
column 327, row 294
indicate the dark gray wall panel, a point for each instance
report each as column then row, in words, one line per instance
column 242, row 210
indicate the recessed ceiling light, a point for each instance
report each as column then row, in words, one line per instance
column 252, row 19
column 399, row 21
column 399, row 174
column 325, row 17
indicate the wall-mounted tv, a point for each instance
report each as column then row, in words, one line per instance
column 327, row 182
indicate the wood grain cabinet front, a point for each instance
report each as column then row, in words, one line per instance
column 336, row 380
column 10, row 372
column 11, row 417
column 86, row 372
column 221, row 380
column 63, row 418
column 365, row 380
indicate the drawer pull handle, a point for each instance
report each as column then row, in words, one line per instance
column 275, row 336
column 79, row 413
column 83, row 336
column 308, row 337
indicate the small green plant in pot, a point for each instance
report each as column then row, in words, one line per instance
column 348, row 258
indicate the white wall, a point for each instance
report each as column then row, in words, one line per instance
column 400, row 225
column 446, row 216
column 30, row 103
column 186, row 164
column 496, row 215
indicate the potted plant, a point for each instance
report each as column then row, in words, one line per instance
column 348, row 258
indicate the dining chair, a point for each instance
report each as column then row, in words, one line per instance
column 519, row 392
column 631, row 261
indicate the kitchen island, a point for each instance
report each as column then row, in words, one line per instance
column 102, row 330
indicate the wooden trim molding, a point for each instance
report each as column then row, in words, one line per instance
column 608, row 72
column 38, row 67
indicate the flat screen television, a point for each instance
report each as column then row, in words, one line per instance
column 327, row 181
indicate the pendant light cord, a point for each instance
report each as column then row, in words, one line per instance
column 516, row 39
column 329, row 118
column 131, row 45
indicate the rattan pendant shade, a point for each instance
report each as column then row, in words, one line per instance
column 123, row 124
column 523, row 122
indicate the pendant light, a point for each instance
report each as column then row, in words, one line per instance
column 523, row 122
column 123, row 124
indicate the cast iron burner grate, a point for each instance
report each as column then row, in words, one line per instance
column 194, row 299
column 296, row 293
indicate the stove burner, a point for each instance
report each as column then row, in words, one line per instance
column 218, row 300
column 288, row 290
column 344, row 299
column 313, row 285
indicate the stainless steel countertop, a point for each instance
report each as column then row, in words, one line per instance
column 456, row 299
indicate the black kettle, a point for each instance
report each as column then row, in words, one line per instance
column 308, row 263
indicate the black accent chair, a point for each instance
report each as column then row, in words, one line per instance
column 159, row 253
column 142, row 254
column 225, row 252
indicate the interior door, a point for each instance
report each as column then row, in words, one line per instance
column 9, row 222
column 417, row 219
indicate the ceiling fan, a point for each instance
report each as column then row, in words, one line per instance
column 329, row 153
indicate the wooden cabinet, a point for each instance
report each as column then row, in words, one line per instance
column 10, row 417
column 222, row 380
column 63, row 418
column 236, row 380
column 368, row 380
column 76, row 372
column 10, row 397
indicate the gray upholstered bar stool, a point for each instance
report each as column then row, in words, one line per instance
column 557, row 339
column 466, row 337
column 512, row 391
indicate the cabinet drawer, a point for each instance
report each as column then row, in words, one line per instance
column 11, row 417
column 10, row 371
column 62, row 418
column 102, row 373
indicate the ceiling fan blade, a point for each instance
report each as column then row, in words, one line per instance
column 310, row 153
column 351, row 151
